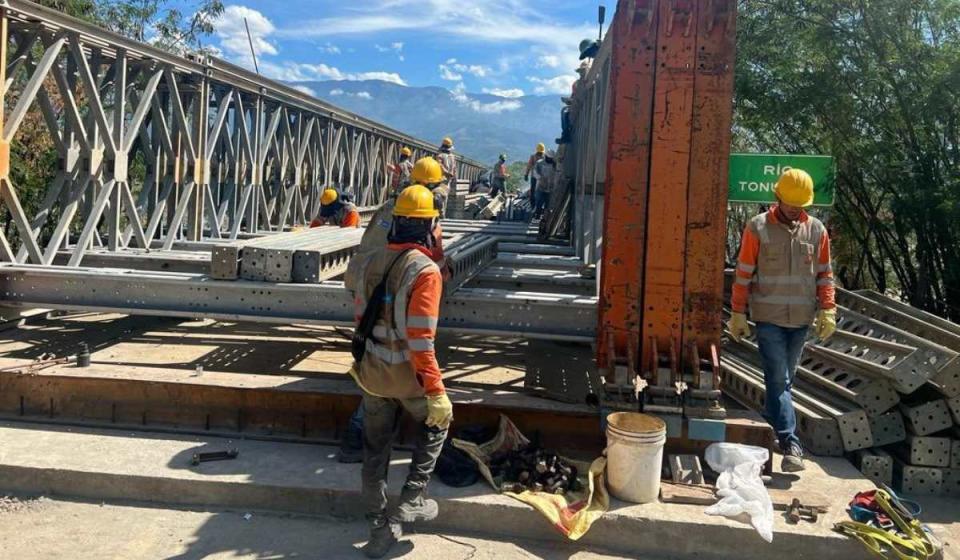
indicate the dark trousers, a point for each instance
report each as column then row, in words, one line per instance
column 381, row 421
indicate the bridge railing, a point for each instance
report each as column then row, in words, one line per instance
column 152, row 147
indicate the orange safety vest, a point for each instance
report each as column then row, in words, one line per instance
column 346, row 216
column 400, row 361
column 783, row 273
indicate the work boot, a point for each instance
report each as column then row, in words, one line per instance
column 414, row 507
column 792, row 458
column 384, row 533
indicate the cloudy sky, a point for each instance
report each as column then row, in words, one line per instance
column 505, row 47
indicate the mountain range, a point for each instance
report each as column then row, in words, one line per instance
column 482, row 125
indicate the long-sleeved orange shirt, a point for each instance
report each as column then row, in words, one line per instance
column 423, row 314
column 747, row 267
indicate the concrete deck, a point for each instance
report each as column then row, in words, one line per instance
column 305, row 479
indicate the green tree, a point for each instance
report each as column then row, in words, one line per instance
column 876, row 84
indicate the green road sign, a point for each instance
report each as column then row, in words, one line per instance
column 753, row 176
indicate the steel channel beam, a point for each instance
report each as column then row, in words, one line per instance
column 537, row 249
column 539, row 261
column 940, row 364
column 909, row 310
column 139, row 259
column 875, row 394
column 852, row 420
column 535, row 280
column 548, row 316
column 820, row 432
column 876, row 465
column 897, row 362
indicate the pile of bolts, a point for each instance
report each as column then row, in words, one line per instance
column 533, row 468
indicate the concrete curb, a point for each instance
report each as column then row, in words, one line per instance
column 492, row 515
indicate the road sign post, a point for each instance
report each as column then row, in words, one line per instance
column 753, row 176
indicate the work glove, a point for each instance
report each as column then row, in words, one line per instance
column 826, row 323
column 738, row 326
column 526, row 177
column 439, row 411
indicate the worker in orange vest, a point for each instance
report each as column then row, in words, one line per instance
column 531, row 168
column 500, row 176
column 397, row 293
column 335, row 211
column 400, row 172
column 785, row 276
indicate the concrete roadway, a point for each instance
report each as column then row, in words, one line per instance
column 46, row 529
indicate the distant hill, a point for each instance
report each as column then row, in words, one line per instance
column 431, row 113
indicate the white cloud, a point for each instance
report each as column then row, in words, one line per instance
column 508, row 93
column 495, row 21
column 294, row 72
column 548, row 61
column 232, row 32
column 305, row 90
column 459, row 94
column 395, row 47
column 558, row 84
column 359, row 95
column 449, row 75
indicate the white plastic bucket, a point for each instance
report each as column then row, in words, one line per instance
column 635, row 456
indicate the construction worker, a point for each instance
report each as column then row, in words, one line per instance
column 375, row 237
column 785, row 276
column 400, row 172
column 397, row 293
column 430, row 173
column 531, row 168
column 500, row 174
column 448, row 166
column 546, row 170
column 336, row 210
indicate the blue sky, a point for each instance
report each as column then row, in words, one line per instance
column 505, row 47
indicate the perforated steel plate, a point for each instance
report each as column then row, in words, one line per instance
column 927, row 418
column 887, row 428
column 928, row 451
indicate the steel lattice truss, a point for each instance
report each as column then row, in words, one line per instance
column 154, row 148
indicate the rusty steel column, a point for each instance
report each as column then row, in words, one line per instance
column 709, row 162
column 669, row 179
column 627, row 174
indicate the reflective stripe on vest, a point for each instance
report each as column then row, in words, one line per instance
column 386, row 370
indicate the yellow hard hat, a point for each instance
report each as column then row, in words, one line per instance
column 427, row 171
column 416, row 201
column 406, row 151
column 541, row 148
column 448, row 141
column 795, row 187
column 328, row 197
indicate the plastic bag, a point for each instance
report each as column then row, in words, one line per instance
column 739, row 485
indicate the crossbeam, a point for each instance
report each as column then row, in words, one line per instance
column 468, row 310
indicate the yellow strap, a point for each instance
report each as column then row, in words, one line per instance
column 914, row 546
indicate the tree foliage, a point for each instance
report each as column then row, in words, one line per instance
column 876, row 84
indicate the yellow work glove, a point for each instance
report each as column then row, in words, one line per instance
column 439, row 411
column 826, row 323
column 738, row 326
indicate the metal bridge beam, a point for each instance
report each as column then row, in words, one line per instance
column 534, row 315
